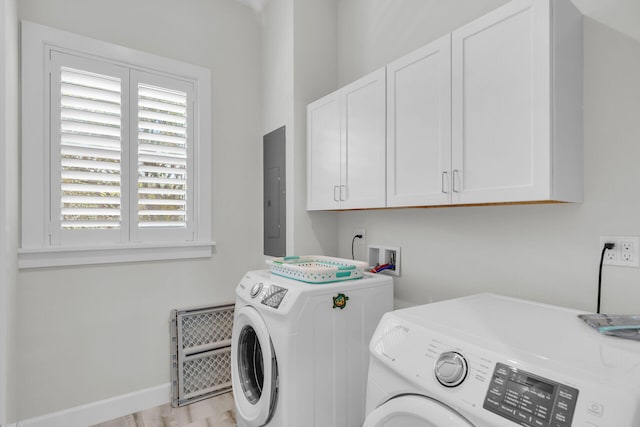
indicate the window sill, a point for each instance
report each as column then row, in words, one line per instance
column 61, row 257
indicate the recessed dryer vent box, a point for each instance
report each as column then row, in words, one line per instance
column 381, row 255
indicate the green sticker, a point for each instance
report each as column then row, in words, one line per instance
column 340, row 301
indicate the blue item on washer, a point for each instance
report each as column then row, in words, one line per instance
column 317, row 269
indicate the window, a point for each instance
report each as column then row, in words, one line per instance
column 115, row 153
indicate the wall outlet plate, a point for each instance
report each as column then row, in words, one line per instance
column 624, row 253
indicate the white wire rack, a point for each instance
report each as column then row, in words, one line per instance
column 200, row 352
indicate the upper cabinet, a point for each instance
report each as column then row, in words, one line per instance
column 517, row 105
column 346, row 147
column 419, row 127
column 491, row 113
column 323, row 153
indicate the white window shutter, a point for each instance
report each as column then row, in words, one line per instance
column 90, row 150
column 163, row 158
column 88, row 133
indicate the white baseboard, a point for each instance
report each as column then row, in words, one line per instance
column 103, row 410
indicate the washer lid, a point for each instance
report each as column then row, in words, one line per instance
column 254, row 368
column 414, row 411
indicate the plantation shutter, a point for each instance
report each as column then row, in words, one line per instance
column 121, row 154
column 90, row 150
column 89, row 140
column 162, row 157
column 162, row 131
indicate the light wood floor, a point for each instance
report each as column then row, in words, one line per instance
column 217, row 411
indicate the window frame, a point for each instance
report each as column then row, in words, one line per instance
column 37, row 249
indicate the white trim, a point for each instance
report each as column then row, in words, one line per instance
column 103, row 410
column 5, row 316
column 65, row 256
column 4, row 312
column 35, row 239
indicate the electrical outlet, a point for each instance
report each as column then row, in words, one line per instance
column 627, row 252
column 610, row 255
column 624, row 253
column 359, row 243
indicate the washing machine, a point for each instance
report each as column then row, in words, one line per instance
column 299, row 353
column 493, row 361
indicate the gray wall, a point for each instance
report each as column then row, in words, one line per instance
column 548, row 253
column 8, row 205
column 90, row 333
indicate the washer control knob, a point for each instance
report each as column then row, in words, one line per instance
column 255, row 289
column 451, row 369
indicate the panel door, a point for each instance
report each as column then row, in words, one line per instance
column 501, row 105
column 323, row 153
column 364, row 142
column 419, row 127
column 274, row 200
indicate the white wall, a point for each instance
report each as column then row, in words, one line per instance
column 8, row 205
column 372, row 33
column 622, row 15
column 277, row 89
column 299, row 65
column 548, row 253
column 90, row 333
column 315, row 74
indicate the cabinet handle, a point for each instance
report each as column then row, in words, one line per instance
column 455, row 188
column 335, row 198
column 444, row 178
column 342, row 199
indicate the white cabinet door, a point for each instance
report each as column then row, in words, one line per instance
column 346, row 145
column 419, row 127
column 363, row 142
column 501, row 114
column 323, row 153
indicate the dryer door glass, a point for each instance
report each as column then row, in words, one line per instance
column 250, row 364
column 414, row 411
column 254, row 370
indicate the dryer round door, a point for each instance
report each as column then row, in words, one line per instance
column 254, row 371
column 414, row 411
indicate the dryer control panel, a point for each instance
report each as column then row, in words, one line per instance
column 529, row 399
column 273, row 296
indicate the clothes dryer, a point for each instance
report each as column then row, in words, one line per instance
column 299, row 353
column 493, row 361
